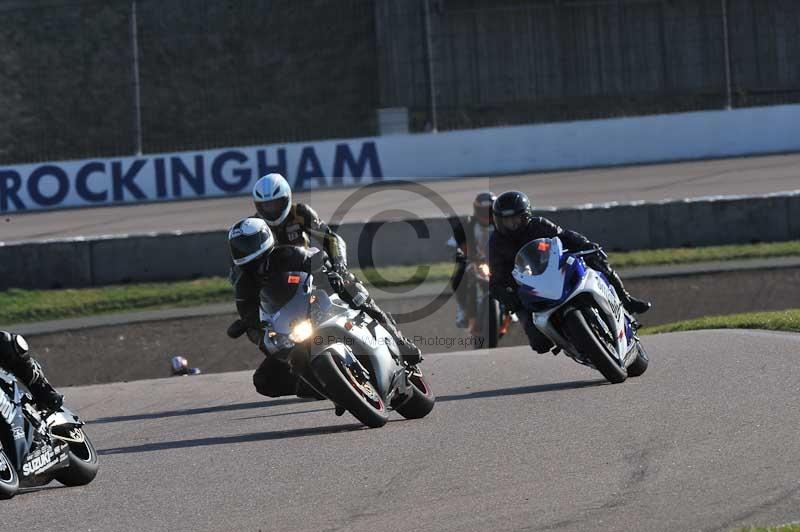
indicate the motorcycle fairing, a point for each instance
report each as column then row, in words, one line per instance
column 14, row 424
column 564, row 280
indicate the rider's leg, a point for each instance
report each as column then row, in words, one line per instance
column 274, row 379
column 537, row 340
column 357, row 296
column 14, row 356
column 632, row 304
column 408, row 350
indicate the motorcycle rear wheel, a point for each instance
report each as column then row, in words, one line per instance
column 586, row 341
column 639, row 365
column 422, row 399
column 489, row 318
column 343, row 389
column 82, row 463
column 9, row 480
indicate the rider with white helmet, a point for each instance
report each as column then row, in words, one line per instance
column 293, row 223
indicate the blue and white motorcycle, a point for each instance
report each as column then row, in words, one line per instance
column 578, row 309
column 37, row 447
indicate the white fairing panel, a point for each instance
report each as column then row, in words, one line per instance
column 605, row 297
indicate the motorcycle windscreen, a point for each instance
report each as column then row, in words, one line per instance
column 537, row 271
column 534, row 257
column 284, row 299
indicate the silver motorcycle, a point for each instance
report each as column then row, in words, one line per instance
column 340, row 352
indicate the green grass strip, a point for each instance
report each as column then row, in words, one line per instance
column 654, row 257
column 781, row 320
column 18, row 306
column 782, row 528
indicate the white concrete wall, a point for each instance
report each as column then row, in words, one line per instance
column 337, row 163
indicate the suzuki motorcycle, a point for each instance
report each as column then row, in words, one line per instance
column 37, row 447
column 578, row 309
column 342, row 353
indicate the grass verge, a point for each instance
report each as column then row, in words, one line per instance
column 17, row 306
column 780, row 320
column 655, row 257
column 781, row 528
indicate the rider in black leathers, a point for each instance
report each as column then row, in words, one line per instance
column 515, row 227
column 273, row 378
column 14, row 357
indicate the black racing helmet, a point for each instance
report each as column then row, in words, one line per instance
column 250, row 240
column 512, row 212
column 482, row 208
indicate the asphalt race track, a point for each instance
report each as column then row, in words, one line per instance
column 746, row 176
column 706, row 440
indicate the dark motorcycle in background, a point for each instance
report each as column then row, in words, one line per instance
column 491, row 319
column 37, row 447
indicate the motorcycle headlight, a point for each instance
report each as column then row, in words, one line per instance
column 301, row 332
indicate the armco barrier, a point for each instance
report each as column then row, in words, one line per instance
column 174, row 256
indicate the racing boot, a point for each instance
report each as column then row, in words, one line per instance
column 408, row 351
column 46, row 397
column 304, row 391
column 632, row 304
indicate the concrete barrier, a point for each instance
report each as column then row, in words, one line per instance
column 175, row 256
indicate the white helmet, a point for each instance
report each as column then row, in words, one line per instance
column 273, row 198
column 250, row 239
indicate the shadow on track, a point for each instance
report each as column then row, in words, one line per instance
column 293, row 413
column 523, row 390
column 227, row 440
column 204, row 410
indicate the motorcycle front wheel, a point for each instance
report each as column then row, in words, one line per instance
column 586, row 339
column 348, row 389
column 9, row 480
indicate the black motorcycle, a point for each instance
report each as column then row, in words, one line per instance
column 492, row 320
column 37, row 447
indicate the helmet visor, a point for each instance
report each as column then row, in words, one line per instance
column 273, row 209
column 511, row 223
column 244, row 246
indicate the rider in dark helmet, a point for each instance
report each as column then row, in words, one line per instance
column 14, row 357
column 256, row 258
column 471, row 238
column 516, row 226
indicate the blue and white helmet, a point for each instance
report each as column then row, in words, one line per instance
column 273, row 198
column 250, row 239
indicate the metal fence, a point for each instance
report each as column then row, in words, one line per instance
column 85, row 78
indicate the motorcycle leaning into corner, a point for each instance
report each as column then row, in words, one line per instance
column 578, row 309
column 342, row 353
column 37, row 447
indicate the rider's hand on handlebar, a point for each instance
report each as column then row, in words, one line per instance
column 336, row 281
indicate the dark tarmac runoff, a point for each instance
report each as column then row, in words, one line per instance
column 706, row 440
